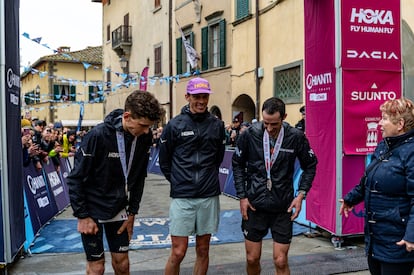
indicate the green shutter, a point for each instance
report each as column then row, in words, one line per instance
column 204, row 48
column 91, row 95
column 56, row 94
column 222, row 25
column 179, row 51
column 192, row 45
column 192, row 39
column 242, row 8
column 72, row 96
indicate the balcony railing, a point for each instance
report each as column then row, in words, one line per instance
column 122, row 39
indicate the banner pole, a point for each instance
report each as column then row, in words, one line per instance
column 3, row 141
column 339, row 114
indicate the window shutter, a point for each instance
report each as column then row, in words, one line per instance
column 91, row 95
column 179, row 51
column 56, row 94
column 72, row 96
column 192, row 39
column 222, row 25
column 204, row 48
column 157, row 60
column 242, row 9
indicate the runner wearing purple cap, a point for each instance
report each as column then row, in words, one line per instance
column 192, row 148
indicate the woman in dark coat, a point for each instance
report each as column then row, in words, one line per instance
column 388, row 193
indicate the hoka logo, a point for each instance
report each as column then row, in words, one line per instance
column 369, row 16
column 113, row 155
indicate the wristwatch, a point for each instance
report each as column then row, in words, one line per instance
column 303, row 192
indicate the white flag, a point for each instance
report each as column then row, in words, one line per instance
column 192, row 55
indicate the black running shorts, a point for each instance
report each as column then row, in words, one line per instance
column 257, row 226
column 94, row 245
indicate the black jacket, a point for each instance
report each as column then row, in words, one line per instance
column 97, row 182
column 191, row 150
column 250, row 173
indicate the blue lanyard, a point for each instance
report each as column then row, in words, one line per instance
column 122, row 156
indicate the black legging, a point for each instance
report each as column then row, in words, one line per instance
column 381, row 268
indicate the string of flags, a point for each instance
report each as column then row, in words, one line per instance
column 127, row 80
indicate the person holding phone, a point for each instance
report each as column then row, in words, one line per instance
column 29, row 149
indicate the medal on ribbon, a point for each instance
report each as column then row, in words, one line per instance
column 269, row 184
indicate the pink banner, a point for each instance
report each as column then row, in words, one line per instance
column 321, row 109
column 143, row 79
column 371, row 35
column 363, row 93
column 353, row 169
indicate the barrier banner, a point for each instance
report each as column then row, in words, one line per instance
column 63, row 172
column 65, row 167
column 12, row 209
column 225, row 168
column 56, row 188
column 229, row 189
column 153, row 164
column 363, row 93
column 29, row 227
column 39, row 200
column 355, row 221
column 371, row 35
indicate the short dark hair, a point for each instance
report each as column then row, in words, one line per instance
column 273, row 105
column 142, row 104
column 40, row 123
column 71, row 133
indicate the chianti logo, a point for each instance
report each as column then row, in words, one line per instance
column 316, row 80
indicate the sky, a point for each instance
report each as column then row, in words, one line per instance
column 74, row 23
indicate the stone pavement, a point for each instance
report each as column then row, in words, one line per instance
column 223, row 257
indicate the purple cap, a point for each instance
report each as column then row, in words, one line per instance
column 198, row 85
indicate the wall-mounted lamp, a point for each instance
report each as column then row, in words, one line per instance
column 37, row 94
column 123, row 62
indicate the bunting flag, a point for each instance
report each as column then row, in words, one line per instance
column 37, row 40
column 192, row 55
column 79, row 126
column 144, row 79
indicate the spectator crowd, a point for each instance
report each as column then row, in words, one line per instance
column 42, row 142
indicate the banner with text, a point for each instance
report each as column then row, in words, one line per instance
column 363, row 93
column 320, row 75
column 371, row 37
column 12, row 223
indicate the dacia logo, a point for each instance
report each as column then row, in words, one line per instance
column 371, row 54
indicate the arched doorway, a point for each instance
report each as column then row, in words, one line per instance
column 215, row 110
column 243, row 107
